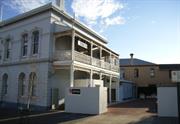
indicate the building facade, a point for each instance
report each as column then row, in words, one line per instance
column 44, row 51
column 146, row 75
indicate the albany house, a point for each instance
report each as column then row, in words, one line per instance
column 44, row 51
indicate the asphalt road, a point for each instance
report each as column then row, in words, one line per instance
column 134, row 112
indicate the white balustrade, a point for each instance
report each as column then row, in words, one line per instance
column 64, row 55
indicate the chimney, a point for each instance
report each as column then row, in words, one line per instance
column 60, row 4
column 131, row 61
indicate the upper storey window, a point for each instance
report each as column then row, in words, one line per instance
column 24, row 44
column 136, row 73
column 35, row 42
column 7, row 49
column 1, row 50
column 122, row 74
column 0, row 54
column 152, row 72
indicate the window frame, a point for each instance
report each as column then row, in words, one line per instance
column 152, row 72
column 35, row 42
column 136, row 73
column 24, row 45
column 0, row 55
column 32, row 88
column 21, row 84
column 7, row 48
column 5, row 84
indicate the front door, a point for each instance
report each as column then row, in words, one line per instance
column 113, row 95
column 55, row 95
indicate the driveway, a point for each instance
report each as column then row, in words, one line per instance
column 133, row 112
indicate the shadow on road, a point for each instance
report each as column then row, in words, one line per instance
column 157, row 120
column 42, row 118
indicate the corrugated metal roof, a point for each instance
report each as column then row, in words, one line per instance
column 126, row 62
column 169, row 66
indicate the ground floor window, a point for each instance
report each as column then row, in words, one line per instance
column 21, row 84
column 32, row 83
column 4, row 84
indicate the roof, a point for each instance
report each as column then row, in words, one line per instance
column 169, row 66
column 45, row 8
column 136, row 62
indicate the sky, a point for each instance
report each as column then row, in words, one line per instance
column 148, row 28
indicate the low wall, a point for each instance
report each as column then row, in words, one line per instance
column 86, row 100
column 167, row 102
column 86, row 83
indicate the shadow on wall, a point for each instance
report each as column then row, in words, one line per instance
column 157, row 120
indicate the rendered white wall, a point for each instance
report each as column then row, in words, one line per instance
column 15, row 31
column 61, row 80
column 167, row 101
column 28, row 64
column 41, row 70
column 91, row 100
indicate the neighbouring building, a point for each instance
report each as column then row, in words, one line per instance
column 146, row 75
column 127, row 90
column 44, row 51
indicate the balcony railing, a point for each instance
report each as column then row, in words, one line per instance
column 64, row 55
column 80, row 57
column 105, row 65
column 96, row 62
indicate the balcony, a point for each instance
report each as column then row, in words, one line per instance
column 66, row 55
column 63, row 55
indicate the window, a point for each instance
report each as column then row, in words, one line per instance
column 136, row 73
column 35, row 42
column 122, row 73
column 1, row 48
column 170, row 76
column 32, row 84
column 152, row 72
column 24, row 44
column 7, row 49
column 0, row 54
column 4, row 84
column 21, row 85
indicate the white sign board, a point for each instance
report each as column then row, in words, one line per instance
column 84, row 45
column 175, row 76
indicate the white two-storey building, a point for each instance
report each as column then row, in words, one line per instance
column 44, row 51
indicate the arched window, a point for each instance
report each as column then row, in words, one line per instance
column 21, row 84
column 32, row 84
column 4, row 84
column 35, row 42
column 24, row 44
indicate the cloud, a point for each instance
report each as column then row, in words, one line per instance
column 98, row 12
column 114, row 21
column 24, row 5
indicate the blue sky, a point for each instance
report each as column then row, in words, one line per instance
column 148, row 28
